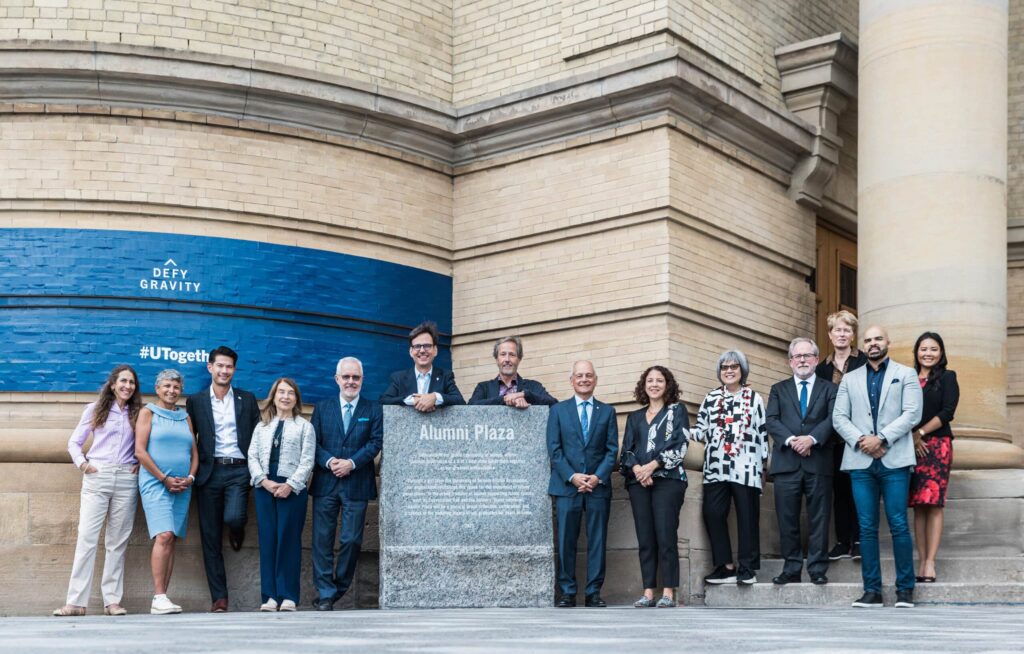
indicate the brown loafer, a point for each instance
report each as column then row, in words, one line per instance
column 68, row 611
column 220, row 606
column 114, row 609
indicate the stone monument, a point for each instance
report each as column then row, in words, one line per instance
column 465, row 518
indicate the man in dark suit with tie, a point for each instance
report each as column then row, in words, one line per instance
column 508, row 388
column 583, row 441
column 426, row 386
column 224, row 419
column 349, row 434
column 799, row 420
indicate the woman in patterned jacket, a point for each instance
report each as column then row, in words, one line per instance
column 730, row 423
column 652, row 463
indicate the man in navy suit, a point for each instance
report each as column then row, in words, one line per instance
column 349, row 434
column 426, row 386
column 508, row 387
column 224, row 418
column 799, row 420
column 583, row 441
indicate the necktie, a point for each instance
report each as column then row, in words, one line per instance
column 585, row 420
column 347, row 416
column 422, row 383
column 803, row 399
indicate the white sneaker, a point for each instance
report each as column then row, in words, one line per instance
column 269, row 606
column 287, row 605
column 162, row 606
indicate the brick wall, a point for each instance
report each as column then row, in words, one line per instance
column 400, row 44
column 299, row 191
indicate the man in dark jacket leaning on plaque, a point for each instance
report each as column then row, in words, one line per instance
column 426, row 386
column 583, row 441
column 508, row 388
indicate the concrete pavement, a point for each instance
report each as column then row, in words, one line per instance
column 691, row 630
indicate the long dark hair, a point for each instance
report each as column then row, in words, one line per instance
column 939, row 369
column 106, row 398
column 671, row 387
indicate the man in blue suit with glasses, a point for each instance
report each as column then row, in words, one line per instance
column 349, row 434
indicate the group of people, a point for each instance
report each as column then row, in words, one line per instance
column 223, row 444
column 841, row 434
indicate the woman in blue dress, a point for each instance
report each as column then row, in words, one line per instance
column 165, row 445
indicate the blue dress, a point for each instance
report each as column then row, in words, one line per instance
column 170, row 446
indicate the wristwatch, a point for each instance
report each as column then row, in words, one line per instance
column 885, row 441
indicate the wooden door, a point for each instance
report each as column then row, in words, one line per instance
column 836, row 280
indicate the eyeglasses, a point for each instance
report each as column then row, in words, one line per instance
column 803, row 357
column 422, row 347
column 728, row 367
column 350, row 377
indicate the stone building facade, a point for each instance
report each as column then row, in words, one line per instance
column 631, row 181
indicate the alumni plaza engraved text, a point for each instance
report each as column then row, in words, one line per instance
column 465, row 515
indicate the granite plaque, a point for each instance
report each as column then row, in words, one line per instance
column 465, row 518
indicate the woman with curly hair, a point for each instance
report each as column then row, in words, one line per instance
column 652, row 463
column 110, row 476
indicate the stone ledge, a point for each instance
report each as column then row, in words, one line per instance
column 768, row 595
column 173, row 85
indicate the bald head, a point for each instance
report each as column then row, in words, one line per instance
column 583, row 379
column 876, row 344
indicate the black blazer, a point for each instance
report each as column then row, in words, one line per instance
column 782, row 420
column 361, row 443
column 668, row 447
column 403, row 384
column 826, row 368
column 941, row 395
column 486, row 392
column 200, row 411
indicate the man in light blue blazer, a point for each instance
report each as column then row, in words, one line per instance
column 876, row 408
column 349, row 434
column 583, row 441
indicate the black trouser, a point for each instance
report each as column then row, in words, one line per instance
column 844, row 511
column 222, row 500
column 656, row 518
column 790, row 489
column 717, row 497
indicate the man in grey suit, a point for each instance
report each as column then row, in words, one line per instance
column 799, row 420
column 877, row 406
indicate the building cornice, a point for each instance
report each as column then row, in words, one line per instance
column 727, row 114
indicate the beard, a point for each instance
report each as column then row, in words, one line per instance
column 881, row 354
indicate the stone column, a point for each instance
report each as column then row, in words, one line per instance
column 932, row 197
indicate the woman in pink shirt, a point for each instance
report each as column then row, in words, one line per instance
column 110, row 482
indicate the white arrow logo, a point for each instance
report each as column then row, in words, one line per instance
column 172, row 262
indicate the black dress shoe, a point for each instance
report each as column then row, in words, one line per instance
column 819, row 579
column 566, row 602
column 323, row 605
column 596, row 601
column 786, row 578
column 236, row 537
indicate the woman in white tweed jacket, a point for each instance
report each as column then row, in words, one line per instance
column 280, row 462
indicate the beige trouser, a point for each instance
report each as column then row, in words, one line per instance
column 108, row 495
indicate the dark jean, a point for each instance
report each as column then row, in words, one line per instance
column 891, row 486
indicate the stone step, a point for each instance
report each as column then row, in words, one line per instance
column 841, row 595
column 953, row 569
